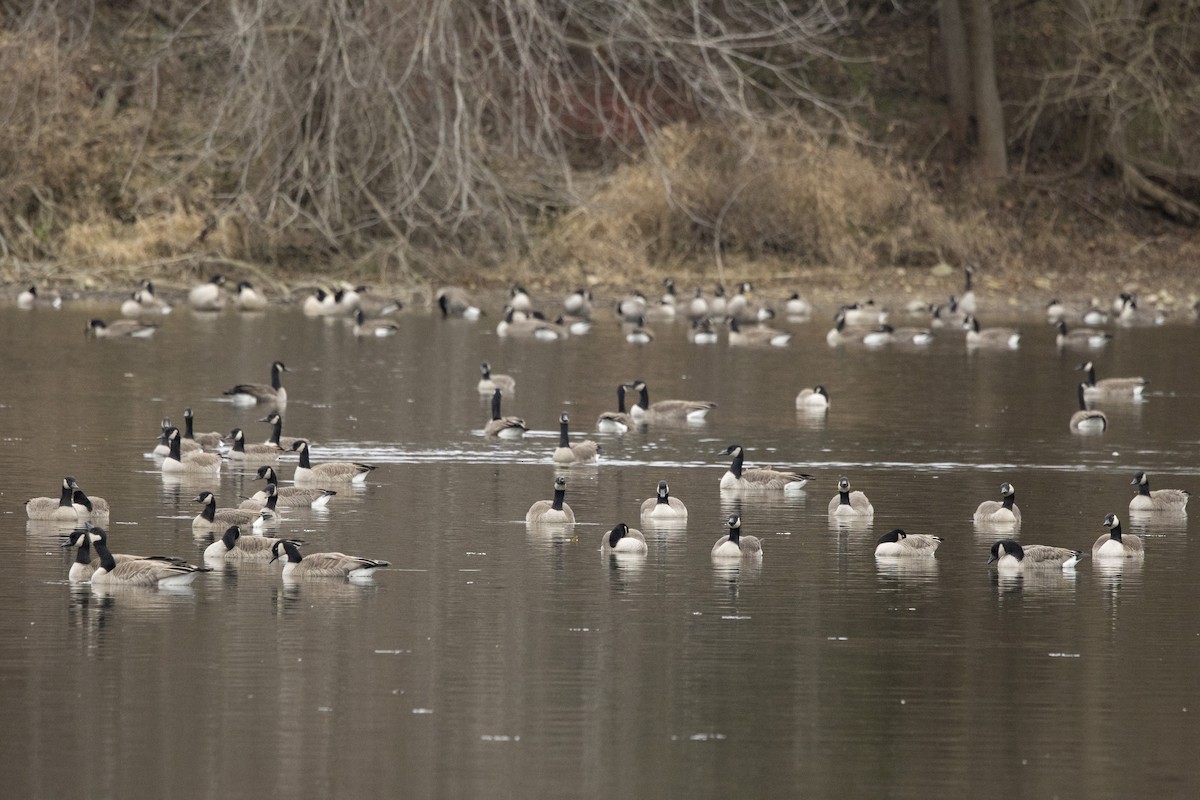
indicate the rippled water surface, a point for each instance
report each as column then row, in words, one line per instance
column 494, row 659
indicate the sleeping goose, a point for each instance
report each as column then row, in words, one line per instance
column 1161, row 500
column 138, row 572
column 319, row 304
column 291, row 496
column 638, row 333
column 814, row 398
column 1111, row 388
column 121, row 327
column 898, row 543
column 90, row 508
column 207, row 296
column 196, row 463
column 736, row 477
column 624, row 539
column 233, row 546
column 760, row 336
column 667, row 410
column 1087, row 420
column 1114, row 544
column 248, row 298
column 734, row 545
column 702, row 332
column 663, row 507
column 1080, row 337
column 579, row 453
column 59, row 509
column 247, row 394
column 330, row 471
column 697, row 308
column 322, row 565
column 990, row 337
column 850, row 504
column 364, row 328
column 503, row 427
column 30, row 298
column 615, row 421
column 489, row 383
column 454, row 301
column 1000, row 512
column 257, row 452
column 275, row 420
column 212, row 517
column 552, row 511
column 578, row 304
column 1010, row 555
column 796, row 306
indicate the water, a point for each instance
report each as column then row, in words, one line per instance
column 492, row 660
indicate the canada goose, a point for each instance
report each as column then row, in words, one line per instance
column 275, row 420
column 850, row 504
column 519, row 299
column 578, row 304
column 639, row 333
column 258, row 452
column 566, row 453
column 966, row 303
column 615, row 421
column 354, row 298
column 1080, row 337
column 863, row 314
column 195, row 463
column 623, row 539
column 121, row 327
column 319, row 304
column 1008, row 554
column 248, row 298
column 527, row 328
column 717, row 302
column 291, row 496
column 663, row 507
column 632, row 306
column 662, row 311
column 756, row 337
column 144, row 301
column 489, row 383
column 573, row 325
column 736, row 477
column 1115, row 545
column 814, row 398
column 1169, row 500
column 30, row 298
column 209, row 441
column 1000, row 512
column 702, row 332
column 841, row 334
column 669, row 296
column 667, row 410
column 1127, row 313
column 454, row 301
column 59, row 509
column 898, row 543
column 89, row 508
column 207, row 296
column 373, row 328
column 990, row 337
column 796, row 306
column 734, row 545
column 330, row 471
column 1094, row 315
column 248, row 394
column 910, row 336
column 552, row 511
column 138, row 572
column 132, row 306
column 269, row 503
column 503, row 427
column 233, row 546
column 947, row 316
column 1111, row 388
column 84, row 566
column 739, row 307
column 1056, row 311
column 212, row 517
column 1087, row 420
column 697, row 306
column 322, row 565
column 877, row 337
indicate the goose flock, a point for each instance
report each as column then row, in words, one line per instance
column 237, row 532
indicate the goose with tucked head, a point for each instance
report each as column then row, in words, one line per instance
column 898, row 543
column 207, row 296
column 1010, row 556
column 1080, row 337
column 624, row 539
column 116, row 329
column 734, row 544
column 816, row 398
column 248, row 298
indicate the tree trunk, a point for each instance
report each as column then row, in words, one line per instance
column 993, row 155
column 958, row 74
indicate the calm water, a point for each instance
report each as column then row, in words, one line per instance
column 495, row 661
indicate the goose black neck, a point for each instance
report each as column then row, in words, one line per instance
column 441, row 301
column 1091, row 376
column 239, row 443
column 844, row 497
column 275, row 384
column 736, row 466
column 644, row 398
column 67, row 496
column 276, row 431
column 562, row 434
column 230, row 537
column 107, row 562
column 621, row 399
column 293, row 552
column 187, row 426
column 496, row 405
column 84, row 555
column 272, row 499
column 1115, row 533
column 735, row 534
column 1009, row 500
column 968, row 274
column 304, row 462
column 733, row 325
column 210, row 509
column 175, row 446
column 82, row 499
column 1144, row 488
column 615, row 535
column 559, row 496
column 664, row 498
column 1082, row 402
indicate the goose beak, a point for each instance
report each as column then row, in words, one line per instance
column 993, row 559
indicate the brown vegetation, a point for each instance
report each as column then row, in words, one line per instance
column 418, row 140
